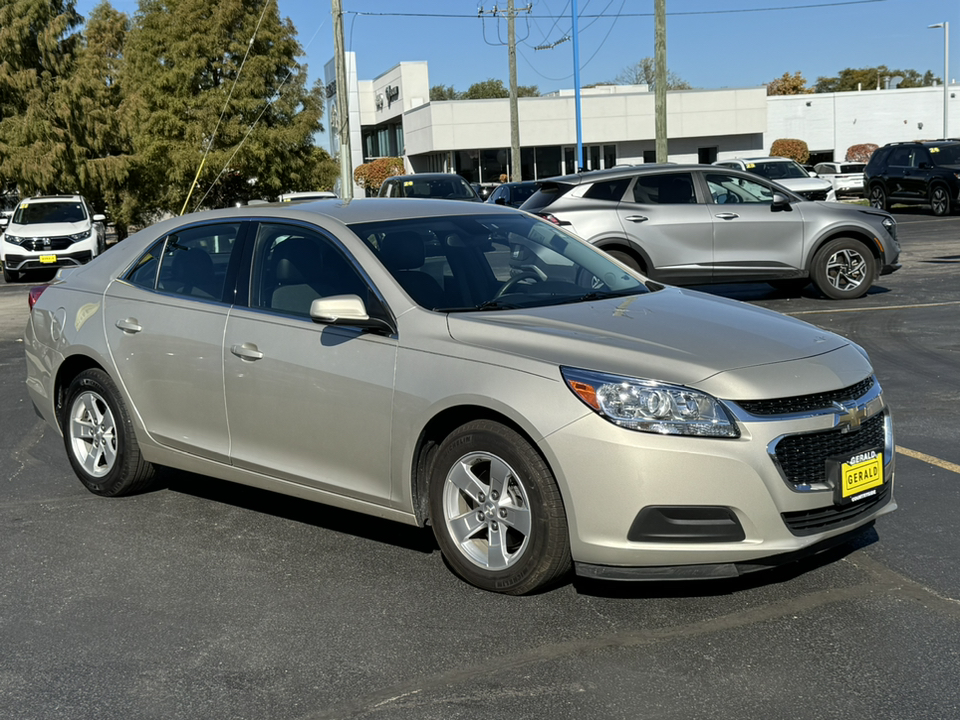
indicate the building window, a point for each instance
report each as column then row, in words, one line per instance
column 706, row 155
column 649, row 156
column 609, row 156
column 548, row 162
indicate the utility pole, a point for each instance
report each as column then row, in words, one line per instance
column 660, row 91
column 343, row 105
column 514, row 109
column 515, row 173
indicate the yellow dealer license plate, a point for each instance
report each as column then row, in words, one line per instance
column 48, row 258
column 860, row 475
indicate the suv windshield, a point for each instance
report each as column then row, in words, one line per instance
column 778, row 170
column 493, row 262
column 451, row 188
column 49, row 212
column 945, row 154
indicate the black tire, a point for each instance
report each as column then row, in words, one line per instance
column 10, row 276
column 99, row 438
column 626, row 258
column 940, row 200
column 487, row 483
column 878, row 198
column 844, row 269
column 791, row 286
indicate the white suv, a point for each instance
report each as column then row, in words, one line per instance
column 786, row 172
column 49, row 232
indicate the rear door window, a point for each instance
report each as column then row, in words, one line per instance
column 665, row 189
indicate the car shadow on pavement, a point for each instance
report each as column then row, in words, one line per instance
column 298, row 510
column 725, row 586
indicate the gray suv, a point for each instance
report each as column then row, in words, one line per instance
column 701, row 224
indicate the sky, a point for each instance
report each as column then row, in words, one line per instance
column 710, row 43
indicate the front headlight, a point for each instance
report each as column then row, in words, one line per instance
column 890, row 225
column 77, row 237
column 649, row 406
column 15, row 239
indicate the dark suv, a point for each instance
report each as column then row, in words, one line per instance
column 915, row 173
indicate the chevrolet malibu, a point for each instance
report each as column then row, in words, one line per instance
column 468, row 367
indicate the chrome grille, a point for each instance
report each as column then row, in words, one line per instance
column 815, row 194
column 802, row 458
column 806, row 403
column 56, row 243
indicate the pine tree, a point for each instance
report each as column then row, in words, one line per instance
column 101, row 138
column 37, row 45
column 182, row 60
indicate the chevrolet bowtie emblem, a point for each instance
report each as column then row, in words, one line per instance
column 850, row 416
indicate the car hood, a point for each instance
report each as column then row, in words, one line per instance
column 805, row 184
column 49, row 229
column 674, row 335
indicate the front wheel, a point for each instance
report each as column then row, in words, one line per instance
column 940, row 201
column 844, row 269
column 496, row 510
column 99, row 438
column 878, row 198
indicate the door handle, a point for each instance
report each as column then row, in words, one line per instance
column 247, row 351
column 727, row 216
column 129, row 325
column 636, row 218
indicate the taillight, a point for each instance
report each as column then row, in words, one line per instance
column 553, row 219
column 35, row 292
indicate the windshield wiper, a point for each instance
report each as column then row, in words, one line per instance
column 486, row 305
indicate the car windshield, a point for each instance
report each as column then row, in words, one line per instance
column 778, row 170
column 945, row 154
column 49, row 212
column 493, row 262
column 450, row 188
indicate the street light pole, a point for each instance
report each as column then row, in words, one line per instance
column 946, row 76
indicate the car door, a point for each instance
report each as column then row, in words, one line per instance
column 661, row 214
column 899, row 173
column 306, row 402
column 164, row 324
column 750, row 238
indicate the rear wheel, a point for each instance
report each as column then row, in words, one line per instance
column 99, row 438
column 844, row 269
column 878, row 198
column 496, row 510
column 939, row 200
column 626, row 258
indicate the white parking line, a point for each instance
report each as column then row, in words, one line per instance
column 879, row 307
column 946, row 465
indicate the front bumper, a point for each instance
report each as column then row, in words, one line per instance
column 19, row 262
column 609, row 476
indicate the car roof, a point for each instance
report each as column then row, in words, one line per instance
column 425, row 176
column 622, row 172
column 52, row 198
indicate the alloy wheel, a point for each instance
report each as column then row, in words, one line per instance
column 93, row 434
column 846, row 270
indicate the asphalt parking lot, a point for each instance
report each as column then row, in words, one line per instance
column 208, row 600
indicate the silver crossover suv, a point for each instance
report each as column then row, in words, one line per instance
column 699, row 224
column 472, row 368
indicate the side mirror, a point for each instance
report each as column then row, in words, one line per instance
column 346, row 310
column 780, row 202
column 99, row 218
column 4, row 221
column 812, row 173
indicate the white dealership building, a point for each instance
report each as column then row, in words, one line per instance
column 392, row 115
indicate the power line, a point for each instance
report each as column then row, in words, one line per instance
column 627, row 15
